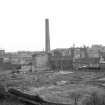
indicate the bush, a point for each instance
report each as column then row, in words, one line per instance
column 94, row 99
column 75, row 96
column 2, row 92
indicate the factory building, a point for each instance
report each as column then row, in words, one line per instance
column 47, row 60
column 65, row 59
column 40, row 61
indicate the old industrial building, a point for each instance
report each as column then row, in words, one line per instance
column 48, row 59
column 58, row 59
column 66, row 59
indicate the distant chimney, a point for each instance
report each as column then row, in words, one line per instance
column 47, row 36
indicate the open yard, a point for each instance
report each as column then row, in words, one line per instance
column 58, row 87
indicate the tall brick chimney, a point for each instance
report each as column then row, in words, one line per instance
column 47, row 36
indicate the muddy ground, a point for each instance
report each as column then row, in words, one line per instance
column 55, row 86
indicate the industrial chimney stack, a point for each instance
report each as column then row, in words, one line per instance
column 47, row 36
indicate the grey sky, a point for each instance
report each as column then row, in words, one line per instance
column 22, row 24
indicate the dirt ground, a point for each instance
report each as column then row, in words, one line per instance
column 55, row 86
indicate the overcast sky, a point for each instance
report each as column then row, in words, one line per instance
column 22, row 23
